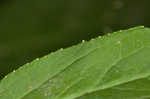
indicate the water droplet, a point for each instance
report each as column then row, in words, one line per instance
column 37, row 59
column 109, row 34
column 50, row 81
column 45, row 94
column 27, row 63
column 99, row 37
column 117, row 71
column 120, row 31
column 14, row 70
column 83, row 41
column 118, row 42
column 46, row 56
column 30, row 87
column 61, row 49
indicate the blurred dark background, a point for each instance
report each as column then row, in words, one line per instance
column 34, row 28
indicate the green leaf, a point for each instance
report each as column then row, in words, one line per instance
column 115, row 66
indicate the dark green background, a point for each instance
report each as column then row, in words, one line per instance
column 34, row 28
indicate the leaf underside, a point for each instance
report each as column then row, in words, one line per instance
column 115, row 66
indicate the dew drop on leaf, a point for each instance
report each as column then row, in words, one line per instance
column 83, row 41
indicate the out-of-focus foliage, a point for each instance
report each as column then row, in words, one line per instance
column 33, row 28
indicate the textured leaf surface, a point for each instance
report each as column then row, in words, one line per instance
column 115, row 66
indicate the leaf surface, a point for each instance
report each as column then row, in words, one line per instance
column 115, row 66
